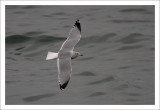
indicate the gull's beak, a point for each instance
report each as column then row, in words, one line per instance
column 81, row 54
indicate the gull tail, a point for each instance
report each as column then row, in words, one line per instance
column 51, row 55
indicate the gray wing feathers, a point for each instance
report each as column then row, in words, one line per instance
column 64, row 55
column 72, row 40
column 65, row 69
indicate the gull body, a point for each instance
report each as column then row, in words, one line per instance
column 53, row 55
column 65, row 54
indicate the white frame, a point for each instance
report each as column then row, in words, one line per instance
column 155, row 2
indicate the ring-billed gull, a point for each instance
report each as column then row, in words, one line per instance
column 65, row 55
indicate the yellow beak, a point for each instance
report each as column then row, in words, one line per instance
column 81, row 54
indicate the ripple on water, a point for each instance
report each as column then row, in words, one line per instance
column 96, row 94
column 20, row 48
column 11, row 82
column 17, row 53
column 132, row 38
column 86, row 73
column 88, row 58
column 131, row 100
column 122, row 87
column 132, row 97
column 11, row 58
column 29, row 7
column 124, row 67
column 137, row 87
column 96, row 39
column 104, row 80
column 130, row 47
column 37, row 97
column 33, row 33
column 129, row 21
column 133, row 94
column 46, row 38
column 13, row 39
column 135, row 10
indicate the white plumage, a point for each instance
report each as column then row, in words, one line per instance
column 65, row 55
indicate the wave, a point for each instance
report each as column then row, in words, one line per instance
column 86, row 73
column 96, row 94
column 129, row 21
column 26, row 46
column 130, row 47
column 37, row 97
column 135, row 10
column 104, row 80
column 46, row 38
column 96, row 39
column 14, row 39
column 132, row 38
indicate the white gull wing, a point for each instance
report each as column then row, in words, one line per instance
column 73, row 38
column 64, row 71
column 65, row 53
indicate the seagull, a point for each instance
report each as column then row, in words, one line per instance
column 65, row 54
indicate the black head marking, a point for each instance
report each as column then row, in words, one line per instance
column 78, row 24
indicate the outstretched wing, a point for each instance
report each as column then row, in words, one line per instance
column 64, row 55
column 73, row 37
column 64, row 71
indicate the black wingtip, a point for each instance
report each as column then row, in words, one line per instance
column 63, row 86
column 78, row 24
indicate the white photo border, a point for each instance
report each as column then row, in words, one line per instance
column 157, row 35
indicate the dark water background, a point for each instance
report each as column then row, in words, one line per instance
column 118, row 62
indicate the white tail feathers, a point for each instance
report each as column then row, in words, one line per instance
column 51, row 55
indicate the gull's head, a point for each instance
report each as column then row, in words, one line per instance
column 76, row 54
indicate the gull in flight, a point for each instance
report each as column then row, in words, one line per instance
column 65, row 54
